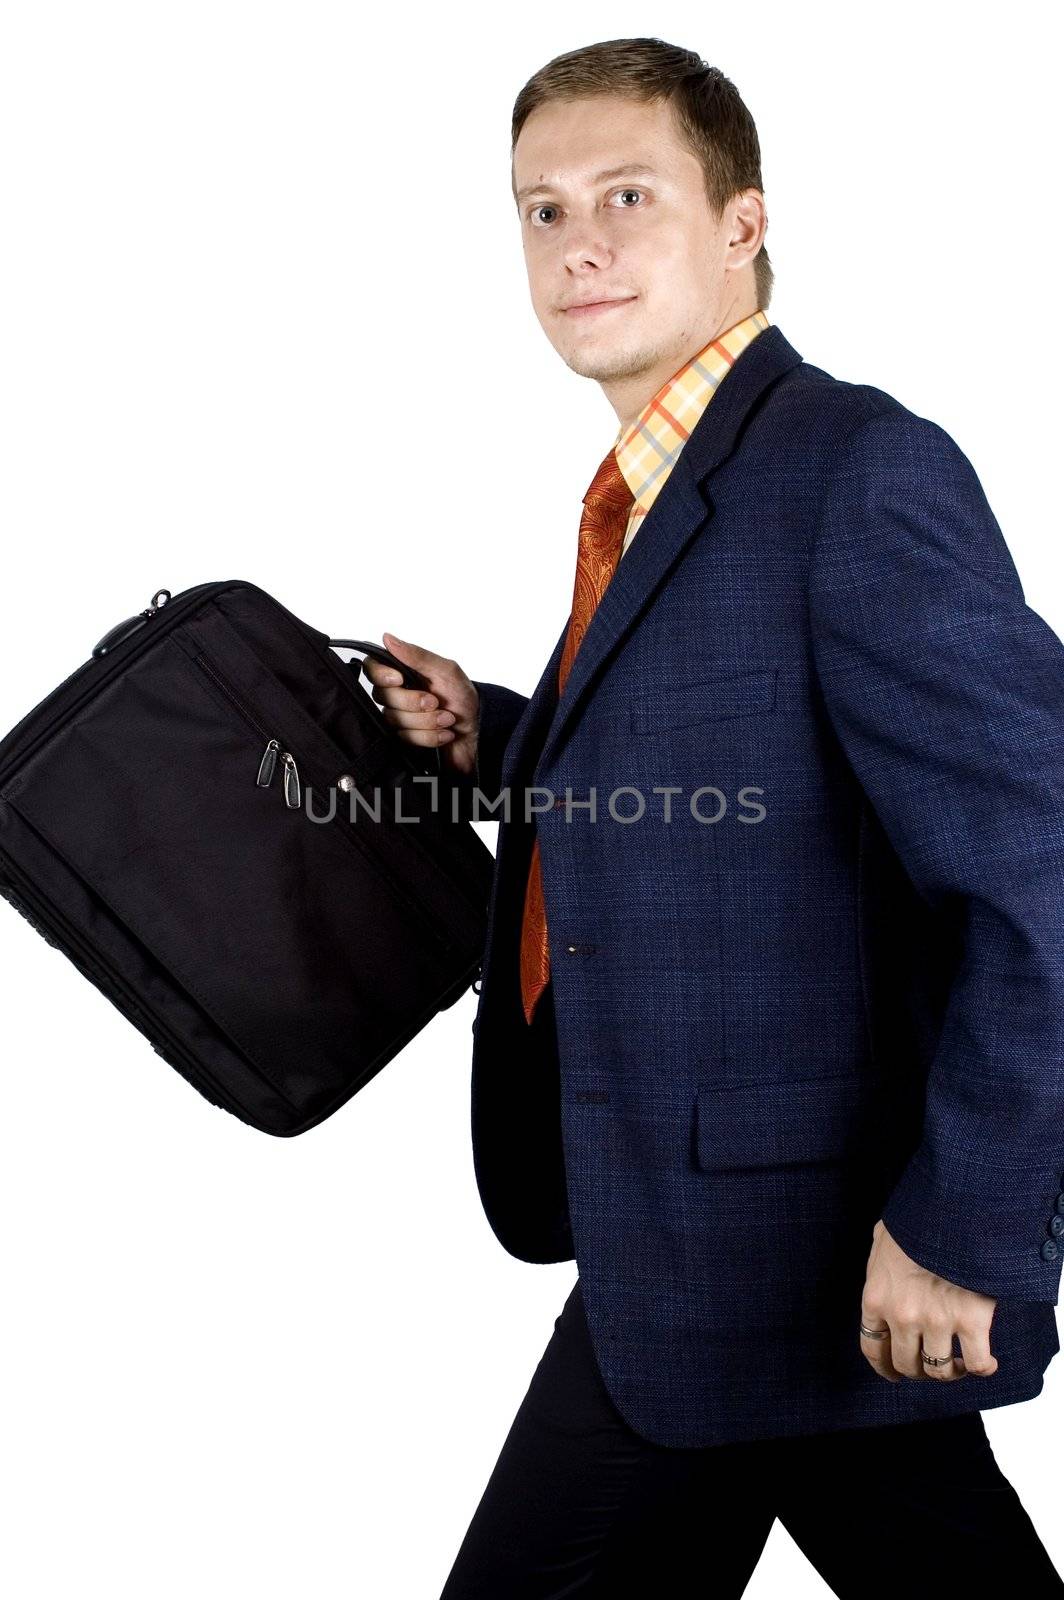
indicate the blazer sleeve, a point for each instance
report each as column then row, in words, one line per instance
column 946, row 693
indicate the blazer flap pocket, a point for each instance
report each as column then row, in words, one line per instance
column 676, row 705
column 772, row 1124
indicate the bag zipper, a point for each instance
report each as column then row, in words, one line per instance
column 342, row 672
column 268, row 761
column 293, row 796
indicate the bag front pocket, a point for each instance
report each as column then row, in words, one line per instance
column 273, row 755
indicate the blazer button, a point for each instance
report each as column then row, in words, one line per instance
column 1050, row 1250
column 1060, row 1201
column 1056, row 1225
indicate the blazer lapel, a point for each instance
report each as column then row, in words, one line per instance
column 680, row 511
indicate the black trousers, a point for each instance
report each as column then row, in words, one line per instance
column 579, row 1504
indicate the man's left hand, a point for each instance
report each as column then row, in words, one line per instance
column 917, row 1308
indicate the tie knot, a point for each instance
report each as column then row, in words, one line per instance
column 609, row 485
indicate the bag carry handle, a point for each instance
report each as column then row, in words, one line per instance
column 412, row 679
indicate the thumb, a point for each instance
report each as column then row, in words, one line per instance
column 412, row 654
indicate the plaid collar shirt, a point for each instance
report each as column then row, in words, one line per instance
column 648, row 449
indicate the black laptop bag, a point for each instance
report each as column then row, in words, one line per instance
column 211, row 818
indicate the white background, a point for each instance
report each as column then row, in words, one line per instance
column 235, row 238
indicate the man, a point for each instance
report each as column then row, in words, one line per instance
column 787, row 1080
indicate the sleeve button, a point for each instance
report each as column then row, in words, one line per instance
column 1050, row 1250
column 1056, row 1225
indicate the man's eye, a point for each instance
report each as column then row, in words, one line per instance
column 535, row 215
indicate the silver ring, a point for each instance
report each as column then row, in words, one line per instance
column 875, row 1333
column 935, row 1361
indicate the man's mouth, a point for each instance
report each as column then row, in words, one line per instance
column 594, row 308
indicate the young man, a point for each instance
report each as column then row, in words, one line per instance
column 787, row 1080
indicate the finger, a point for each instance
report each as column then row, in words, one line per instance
column 976, row 1355
column 413, row 713
column 875, row 1346
column 378, row 671
column 431, row 718
column 428, row 737
column 405, row 699
column 905, row 1349
column 936, row 1341
column 415, row 655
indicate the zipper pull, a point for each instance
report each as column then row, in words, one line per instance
column 268, row 764
column 122, row 630
column 292, row 790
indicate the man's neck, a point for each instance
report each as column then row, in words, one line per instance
column 630, row 396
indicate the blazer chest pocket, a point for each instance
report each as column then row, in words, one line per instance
column 661, row 706
column 776, row 1124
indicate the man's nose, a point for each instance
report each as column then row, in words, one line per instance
column 586, row 245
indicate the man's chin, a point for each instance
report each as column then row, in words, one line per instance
column 608, row 366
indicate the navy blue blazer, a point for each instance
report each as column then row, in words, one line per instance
column 827, row 988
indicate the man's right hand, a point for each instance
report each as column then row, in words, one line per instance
column 445, row 714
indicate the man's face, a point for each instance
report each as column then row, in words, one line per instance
column 644, row 237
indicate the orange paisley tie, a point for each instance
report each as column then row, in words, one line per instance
column 607, row 504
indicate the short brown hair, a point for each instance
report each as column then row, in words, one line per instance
column 709, row 112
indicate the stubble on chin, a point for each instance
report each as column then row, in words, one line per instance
column 611, row 366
